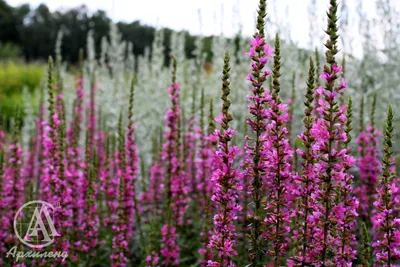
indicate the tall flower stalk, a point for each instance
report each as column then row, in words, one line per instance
column 386, row 222
column 90, row 225
column 306, row 250
column 279, row 172
column 131, row 205
column 345, row 210
column 119, row 242
column 369, row 166
column 328, row 133
column 209, row 165
column 227, row 186
column 170, row 250
column 13, row 187
column 260, row 53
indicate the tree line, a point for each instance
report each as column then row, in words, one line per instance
column 34, row 31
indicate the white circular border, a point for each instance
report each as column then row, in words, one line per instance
column 15, row 224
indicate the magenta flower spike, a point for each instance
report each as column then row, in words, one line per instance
column 120, row 243
column 306, row 213
column 174, row 181
column 227, row 185
column 333, row 162
column 255, row 150
column 386, row 220
column 345, row 210
column 369, row 166
column 278, row 176
column 206, row 166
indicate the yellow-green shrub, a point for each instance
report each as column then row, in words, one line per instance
column 14, row 77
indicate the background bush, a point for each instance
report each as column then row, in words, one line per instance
column 14, row 76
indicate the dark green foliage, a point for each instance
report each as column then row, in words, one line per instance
column 36, row 38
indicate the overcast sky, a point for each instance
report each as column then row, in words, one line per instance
column 217, row 16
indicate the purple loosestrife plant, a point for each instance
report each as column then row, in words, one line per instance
column 119, row 256
column 90, row 217
column 104, row 179
column 306, row 248
column 13, row 191
column 52, row 185
column 278, row 172
column 132, row 205
column 369, row 167
column 13, row 188
column 208, row 161
column 345, row 210
column 328, row 133
column 244, row 234
column 112, row 189
column 385, row 221
column 153, row 195
column 179, row 185
column 65, row 189
column 170, row 250
column 260, row 53
column 227, row 185
column 75, row 174
column 101, row 163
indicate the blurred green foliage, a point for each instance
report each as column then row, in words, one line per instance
column 14, row 77
column 9, row 50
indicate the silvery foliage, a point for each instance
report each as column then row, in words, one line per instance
column 151, row 96
column 376, row 71
column 28, row 128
